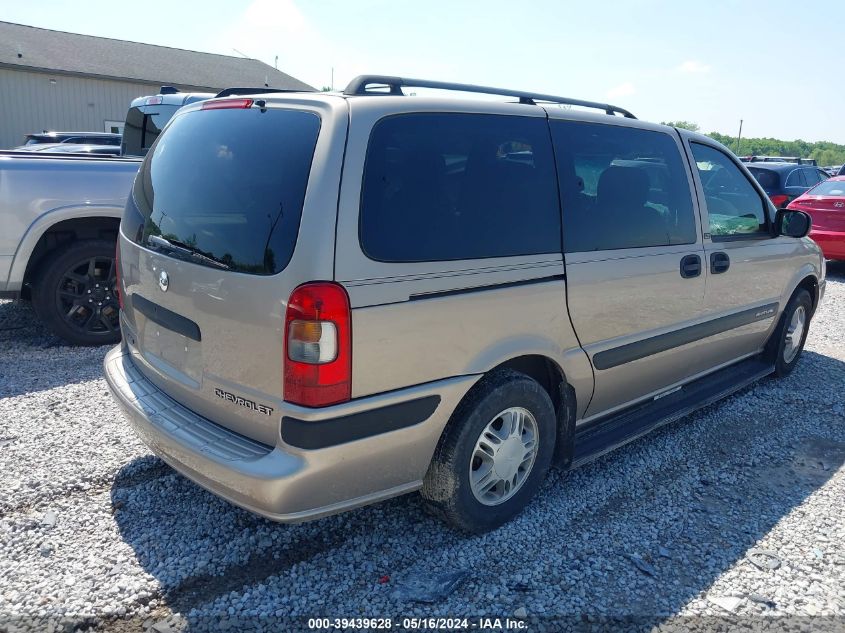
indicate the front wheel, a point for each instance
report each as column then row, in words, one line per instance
column 74, row 294
column 789, row 339
column 494, row 453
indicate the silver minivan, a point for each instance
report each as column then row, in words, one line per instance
column 333, row 299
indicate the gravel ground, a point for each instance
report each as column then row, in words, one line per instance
column 97, row 533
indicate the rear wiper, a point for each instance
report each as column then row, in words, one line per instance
column 187, row 249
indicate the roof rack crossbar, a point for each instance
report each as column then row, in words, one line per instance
column 361, row 84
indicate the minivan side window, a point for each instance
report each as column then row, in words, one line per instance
column 621, row 187
column 450, row 186
column 733, row 203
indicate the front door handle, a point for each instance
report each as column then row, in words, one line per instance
column 690, row 266
column 719, row 263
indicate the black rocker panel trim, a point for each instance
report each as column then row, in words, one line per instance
column 634, row 351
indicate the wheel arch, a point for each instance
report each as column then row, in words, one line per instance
column 46, row 236
column 810, row 283
column 551, row 376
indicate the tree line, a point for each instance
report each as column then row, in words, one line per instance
column 825, row 152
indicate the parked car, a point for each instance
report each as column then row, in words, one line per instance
column 60, row 213
column 332, row 299
column 841, row 171
column 826, row 205
column 83, row 138
column 783, row 182
column 71, row 148
column 780, row 159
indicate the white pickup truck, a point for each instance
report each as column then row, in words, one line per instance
column 59, row 216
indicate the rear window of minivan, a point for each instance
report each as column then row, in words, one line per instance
column 767, row 179
column 225, row 188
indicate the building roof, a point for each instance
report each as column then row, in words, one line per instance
column 31, row 48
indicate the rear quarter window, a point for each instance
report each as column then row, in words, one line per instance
column 226, row 186
column 451, row 186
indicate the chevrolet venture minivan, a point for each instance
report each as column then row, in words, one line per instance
column 332, row 299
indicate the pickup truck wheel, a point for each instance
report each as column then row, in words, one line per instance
column 494, row 453
column 788, row 340
column 74, row 294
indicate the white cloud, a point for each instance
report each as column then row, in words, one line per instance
column 692, row 66
column 278, row 27
column 624, row 89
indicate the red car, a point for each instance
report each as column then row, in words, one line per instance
column 826, row 205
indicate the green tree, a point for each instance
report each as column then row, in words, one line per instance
column 825, row 152
column 684, row 125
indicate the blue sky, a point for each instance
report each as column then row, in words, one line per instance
column 662, row 60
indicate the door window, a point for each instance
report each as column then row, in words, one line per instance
column 621, row 187
column 733, row 203
column 811, row 177
column 795, row 179
column 450, row 186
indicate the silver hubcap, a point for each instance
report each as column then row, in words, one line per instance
column 794, row 334
column 503, row 456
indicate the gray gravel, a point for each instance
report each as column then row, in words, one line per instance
column 96, row 532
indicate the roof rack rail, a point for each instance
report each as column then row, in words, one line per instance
column 229, row 92
column 360, row 86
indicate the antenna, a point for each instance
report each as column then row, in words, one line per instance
column 240, row 53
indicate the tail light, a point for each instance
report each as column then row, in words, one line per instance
column 224, row 104
column 118, row 278
column 779, row 200
column 318, row 345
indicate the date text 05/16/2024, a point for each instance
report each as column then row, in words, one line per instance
column 419, row 624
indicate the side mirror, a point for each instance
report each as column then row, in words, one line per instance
column 792, row 223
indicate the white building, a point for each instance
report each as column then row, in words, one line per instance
column 52, row 80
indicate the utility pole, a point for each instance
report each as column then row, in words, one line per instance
column 276, row 63
column 739, row 136
column 332, row 77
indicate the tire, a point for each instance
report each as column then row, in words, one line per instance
column 788, row 340
column 74, row 293
column 447, row 487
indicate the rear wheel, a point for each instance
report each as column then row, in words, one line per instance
column 494, row 453
column 75, row 294
column 788, row 342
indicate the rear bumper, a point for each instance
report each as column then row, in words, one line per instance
column 832, row 243
column 283, row 482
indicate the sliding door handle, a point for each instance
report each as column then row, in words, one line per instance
column 719, row 263
column 690, row 266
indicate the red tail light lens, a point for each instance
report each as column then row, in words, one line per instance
column 118, row 281
column 318, row 345
column 779, row 200
column 224, row 104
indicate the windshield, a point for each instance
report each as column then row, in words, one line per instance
column 225, row 188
